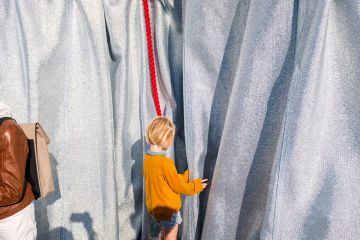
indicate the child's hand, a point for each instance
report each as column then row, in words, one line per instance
column 204, row 183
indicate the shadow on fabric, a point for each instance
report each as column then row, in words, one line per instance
column 41, row 214
column 253, row 205
column 63, row 233
column 141, row 222
column 87, row 222
column 60, row 233
column 137, row 186
column 44, row 233
column 220, row 104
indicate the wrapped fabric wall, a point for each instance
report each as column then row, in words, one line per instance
column 280, row 139
column 265, row 95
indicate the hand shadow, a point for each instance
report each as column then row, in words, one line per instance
column 87, row 221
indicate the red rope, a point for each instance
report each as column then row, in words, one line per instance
column 152, row 67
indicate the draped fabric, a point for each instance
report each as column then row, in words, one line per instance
column 265, row 96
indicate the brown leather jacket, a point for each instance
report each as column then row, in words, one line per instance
column 15, row 190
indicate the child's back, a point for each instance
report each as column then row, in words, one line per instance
column 163, row 185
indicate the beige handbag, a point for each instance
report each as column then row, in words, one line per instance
column 38, row 168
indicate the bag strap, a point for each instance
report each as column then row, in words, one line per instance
column 40, row 130
column 5, row 119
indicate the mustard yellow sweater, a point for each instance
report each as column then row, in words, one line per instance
column 163, row 185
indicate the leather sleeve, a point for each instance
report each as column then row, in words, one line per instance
column 13, row 156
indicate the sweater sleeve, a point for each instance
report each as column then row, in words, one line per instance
column 12, row 167
column 178, row 183
column 186, row 175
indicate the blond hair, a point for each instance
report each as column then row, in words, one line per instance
column 159, row 130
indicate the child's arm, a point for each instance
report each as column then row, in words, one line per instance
column 178, row 183
column 186, row 175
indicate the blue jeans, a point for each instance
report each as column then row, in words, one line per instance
column 175, row 219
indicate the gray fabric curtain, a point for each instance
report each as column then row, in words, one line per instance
column 265, row 96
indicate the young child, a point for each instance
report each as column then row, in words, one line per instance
column 163, row 185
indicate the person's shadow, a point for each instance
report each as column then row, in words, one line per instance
column 141, row 221
column 41, row 214
column 59, row 233
column 137, row 185
column 63, row 233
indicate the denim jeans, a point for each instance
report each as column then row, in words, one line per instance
column 175, row 219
